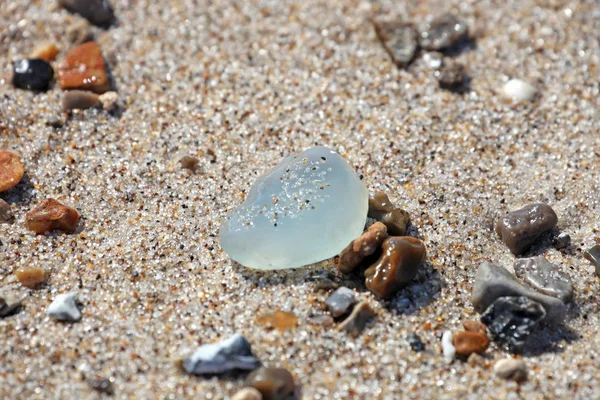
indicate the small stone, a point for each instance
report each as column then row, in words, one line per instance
column 399, row 39
column 322, row 320
column 512, row 319
column 109, row 100
column 248, row 393
column 30, row 276
column 11, row 170
column 561, row 241
column 442, row 32
column 451, row 76
column 448, row 347
column 475, row 326
column 32, row 74
column 545, row 277
column 593, row 255
column 84, row 69
column 79, row 100
column 466, row 343
column 79, row 32
column 521, row 228
column 50, row 215
column 475, row 360
column 396, row 267
column 364, row 246
column 493, row 281
column 434, row 59
column 102, row 385
column 9, row 306
column 98, row 12
column 280, row 320
column 340, row 302
column 45, row 51
column 64, row 308
column 272, row 383
column 189, row 162
column 510, row 368
column 358, row 319
column 518, row 90
column 415, row 342
column 228, row 355
column 395, row 219
column 6, row 213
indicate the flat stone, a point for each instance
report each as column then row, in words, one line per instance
column 272, row 383
column 79, row 100
column 305, row 210
column 466, row 342
column 451, row 76
column 340, row 302
column 98, row 12
column 415, row 342
column 6, row 213
column 561, row 241
column 510, row 368
column 448, row 348
column 511, row 320
column 493, row 281
column 545, row 277
column 228, row 355
column 367, row 244
column 358, row 319
column 64, row 308
column 521, row 228
column 84, row 68
column 30, row 276
column 396, row 267
column 248, row 393
column 395, row 219
column 50, row 215
column 32, row 74
column 593, row 255
column 518, row 90
column 9, row 306
column 11, row 170
column 442, row 32
column 399, row 39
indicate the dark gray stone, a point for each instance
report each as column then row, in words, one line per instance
column 98, row 12
column 415, row 342
column 340, row 302
column 442, row 32
column 399, row 39
column 521, row 228
column 593, row 255
column 451, row 76
column 228, row 355
column 32, row 74
column 493, row 281
column 510, row 320
column 561, row 241
column 545, row 277
column 102, row 385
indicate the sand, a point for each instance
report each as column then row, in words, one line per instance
column 241, row 85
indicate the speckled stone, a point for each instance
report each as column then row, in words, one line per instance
column 272, row 383
column 415, row 342
column 367, row 244
column 64, row 308
column 98, row 12
column 395, row 219
column 102, row 385
column 442, row 32
column 228, row 355
column 357, row 321
column 340, row 302
column 593, row 255
column 32, row 74
column 399, row 39
column 510, row 368
column 544, row 277
column 521, row 228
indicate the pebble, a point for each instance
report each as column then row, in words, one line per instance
column 11, row 170
column 305, row 210
column 189, row 162
column 64, row 308
column 415, row 342
column 364, row 246
column 50, row 215
column 512, row 319
column 248, row 393
column 475, row 326
column 32, row 74
column 561, row 241
column 521, row 228
column 510, row 368
column 395, row 219
column 98, row 12
column 280, row 320
column 467, row 343
column 593, row 255
column 80, row 100
column 358, row 319
column 340, row 302
column 493, row 281
column 448, row 347
column 79, row 32
column 272, row 383
column 442, row 32
column 475, row 360
column 545, row 277
column 434, row 59
column 228, row 355
column 109, row 100
column 45, row 51
column 6, row 213
column 9, row 306
column 102, row 385
column 399, row 40
column 518, row 90
column 451, row 76
column 83, row 68
column 396, row 267
column 30, row 276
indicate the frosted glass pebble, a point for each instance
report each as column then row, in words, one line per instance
column 519, row 90
column 306, row 209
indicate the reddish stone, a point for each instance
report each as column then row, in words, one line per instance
column 467, row 343
column 84, row 69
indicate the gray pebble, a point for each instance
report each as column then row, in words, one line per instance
column 593, row 255
column 561, row 241
column 493, row 281
column 79, row 100
column 340, row 302
column 98, row 12
column 5, row 211
column 451, row 76
column 442, row 32
column 521, row 228
column 399, row 39
column 228, row 355
column 415, row 342
column 358, row 319
column 64, row 308
column 510, row 368
column 545, row 277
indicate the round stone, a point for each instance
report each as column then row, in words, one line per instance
column 32, row 74
column 272, row 383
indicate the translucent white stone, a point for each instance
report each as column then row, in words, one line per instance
column 306, row 209
column 519, row 90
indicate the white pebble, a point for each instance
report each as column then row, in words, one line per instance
column 64, row 308
column 248, row 393
column 519, row 90
column 448, row 347
column 510, row 368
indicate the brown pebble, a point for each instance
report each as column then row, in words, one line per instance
column 189, row 162
column 46, row 51
column 475, row 326
column 30, row 276
column 79, row 32
column 466, row 342
column 248, row 393
column 5, row 211
column 451, row 76
column 396, row 267
column 280, row 320
column 84, row 68
column 272, row 383
column 11, row 170
column 395, row 219
column 50, row 216
column 358, row 319
column 80, row 100
column 521, row 228
column 362, row 247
